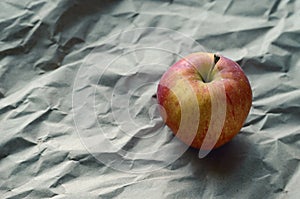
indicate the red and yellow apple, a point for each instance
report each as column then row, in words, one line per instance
column 204, row 99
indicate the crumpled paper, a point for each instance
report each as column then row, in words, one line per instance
column 78, row 109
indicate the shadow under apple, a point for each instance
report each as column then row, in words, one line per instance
column 220, row 162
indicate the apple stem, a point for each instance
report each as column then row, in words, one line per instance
column 216, row 59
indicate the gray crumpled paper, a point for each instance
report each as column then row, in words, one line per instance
column 77, row 99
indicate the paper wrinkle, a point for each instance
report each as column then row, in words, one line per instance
column 42, row 47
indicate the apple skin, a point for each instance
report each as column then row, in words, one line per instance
column 194, row 77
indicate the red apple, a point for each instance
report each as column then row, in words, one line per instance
column 204, row 99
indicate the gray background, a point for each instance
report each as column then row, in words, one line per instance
column 43, row 44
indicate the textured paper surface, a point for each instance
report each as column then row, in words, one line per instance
column 78, row 117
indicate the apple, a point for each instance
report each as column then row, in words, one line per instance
column 204, row 99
